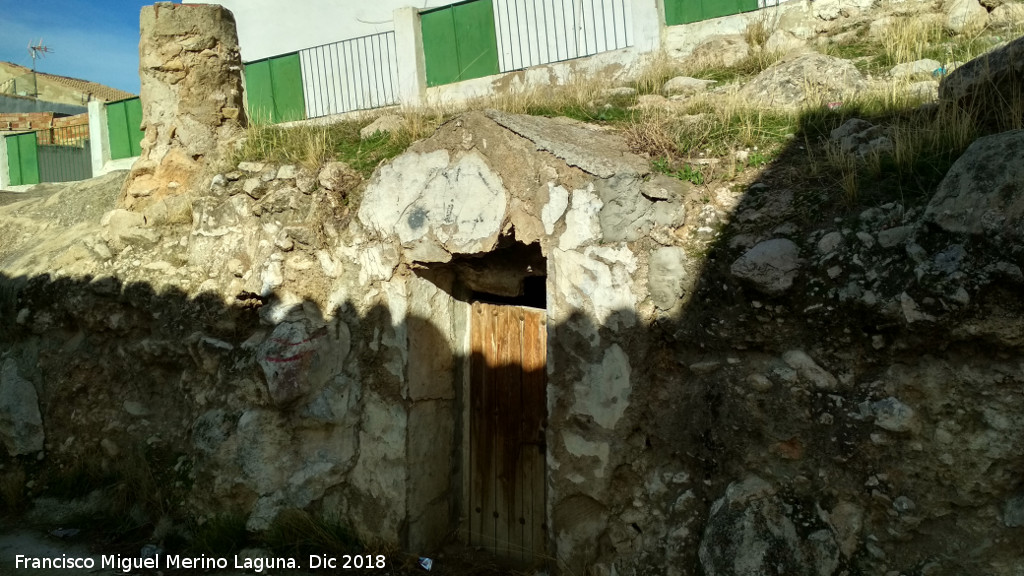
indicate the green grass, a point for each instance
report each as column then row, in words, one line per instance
column 612, row 111
column 756, row 62
column 312, row 146
column 687, row 172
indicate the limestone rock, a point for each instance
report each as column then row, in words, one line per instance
column 21, row 425
column 893, row 415
column 809, row 371
column 830, row 242
column 1007, row 15
column 338, row 177
column 803, row 78
column 685, row 86
column 415, row 198
column 666, row 276
column 771, row 266
column 302, row 355
column 965, row 15
column 832, row 9
column 891, row 237
column 923, row 67
column 784, row 42
column 722, row 51
column 628, row 211
column 125, row 228
column 847, row 519
column 983, row 192
column 749, row 532
column 390, row 124
column 862, row 138
column 987, row 83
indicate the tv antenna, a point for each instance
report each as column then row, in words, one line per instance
column 38, row 51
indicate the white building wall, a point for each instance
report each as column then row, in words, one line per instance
column 272, row 27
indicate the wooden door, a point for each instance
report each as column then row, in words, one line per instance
column 508, row 415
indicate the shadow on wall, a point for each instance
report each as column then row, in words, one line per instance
column 817, row 402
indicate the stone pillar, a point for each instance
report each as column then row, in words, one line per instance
column 412, row 75
column 191, row 92
column 99, row 136
column 5, row 170
column 648, row 23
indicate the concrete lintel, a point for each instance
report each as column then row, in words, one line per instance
column 412, row 75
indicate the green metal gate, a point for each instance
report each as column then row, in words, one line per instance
column 273, row 88
column 124, row 121
column 23, row 159
column 459, row 42
column 687, row 11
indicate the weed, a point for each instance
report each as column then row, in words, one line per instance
column 222, row 534
column 658, row 70
column 689, row 173
column 299, row 532
column 757, row 159
column 846, row 164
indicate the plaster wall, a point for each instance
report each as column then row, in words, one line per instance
column 271, row 27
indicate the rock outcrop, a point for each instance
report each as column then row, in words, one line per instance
column 983, row 192
column 805, row 78
column 988, row 86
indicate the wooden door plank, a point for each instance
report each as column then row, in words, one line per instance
column 478, row 366
column 535, row 411
column 507, row 367
column 489, row 445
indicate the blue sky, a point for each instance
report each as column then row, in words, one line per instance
column 91, row 40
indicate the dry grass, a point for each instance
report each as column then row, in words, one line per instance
column 299, row 532
column 759, row 31
column 910, row 39
column 655, row 72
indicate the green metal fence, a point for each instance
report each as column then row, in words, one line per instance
column 688, row 11
column 124, row 121
column 459, row 42
column 52, row 155
column 273, row 88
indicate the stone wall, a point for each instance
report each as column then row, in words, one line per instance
column 725, row 388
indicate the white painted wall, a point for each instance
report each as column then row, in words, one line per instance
column 272, row 27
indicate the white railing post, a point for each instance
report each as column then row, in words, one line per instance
column 5, row 168
column 412, row 75
column 99, row 136
column 648, row 23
